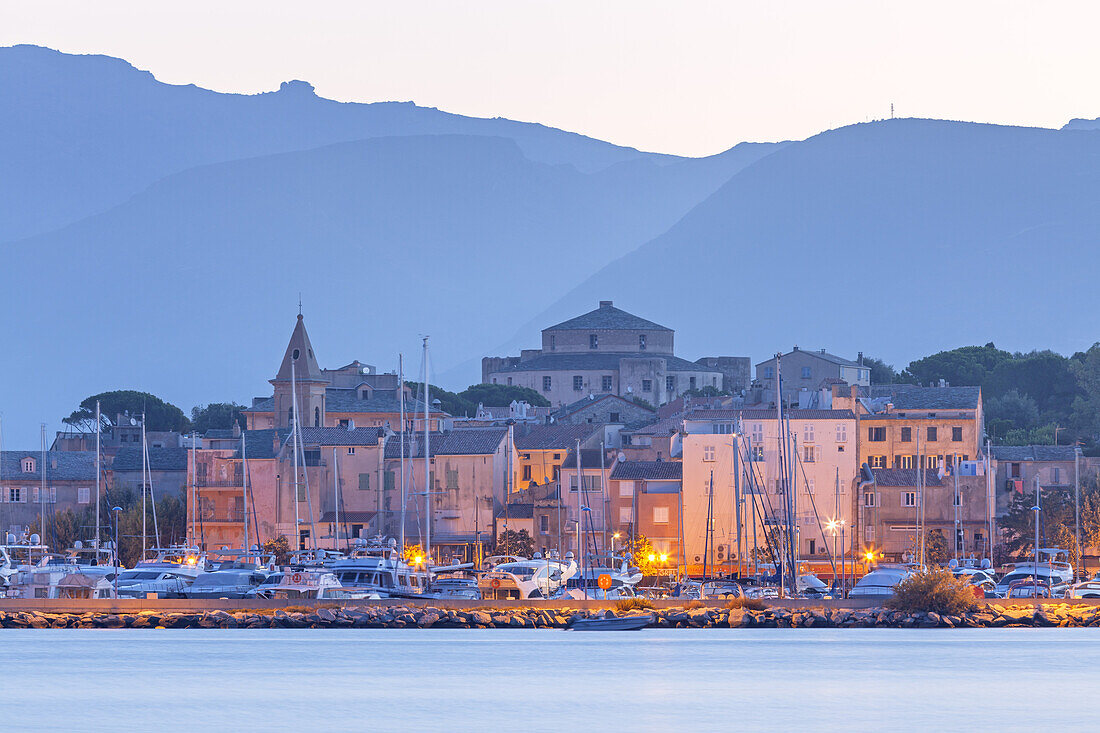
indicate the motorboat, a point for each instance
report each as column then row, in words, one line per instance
column 536, row 578
column 19, row 554
column 171, row 571
column 1032, row 587
column 880, row 582
column 299, row 584
column 603, row 583
column 1085, row 589
column 1052, row 569
column 809, row 585
column 376, row 567
column 57, row 575
column 609, row 622
column 460, row 586
column 228, row 582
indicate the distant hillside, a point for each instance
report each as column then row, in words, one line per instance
column 189, row 289
column 83, row 133
column 896, row 238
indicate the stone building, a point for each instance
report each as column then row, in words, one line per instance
column 604, row 351
column 826, row 469
column 1019, row 467
column 355, row 395
column 607, row 408
column 645, row 498
column 69, row 484
column 167, row 470
column 889, row 512
column 806, row 370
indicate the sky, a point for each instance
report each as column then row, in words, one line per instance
column 691, row 78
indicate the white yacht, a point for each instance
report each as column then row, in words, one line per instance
column 171, row 571
column 535, row 578
column 58, row 575
column 19, row 554
column 603, row 583
column 1051, row 570
column 880, row 582
column 376, row 566
column 298, row 583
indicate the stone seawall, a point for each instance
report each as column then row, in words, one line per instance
column 404, row 617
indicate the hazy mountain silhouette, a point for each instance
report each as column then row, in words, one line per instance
column 189, row 289
column 158, row 235
column 897, row 238
column 83, row 133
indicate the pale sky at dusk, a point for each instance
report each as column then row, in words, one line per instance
column 687, row 77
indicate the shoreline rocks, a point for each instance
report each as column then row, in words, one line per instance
column 429, row 617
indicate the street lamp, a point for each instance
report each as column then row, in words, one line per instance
column 833, row 525
column 115, row 510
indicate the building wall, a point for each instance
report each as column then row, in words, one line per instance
column 736, row 371
column 625, row 341
column 943, row 451
column 628, row 499
column 1015, row 477
column 20, row 508
column 890, row 526
column 608, row 411
column 824, row 484
column 793, row 376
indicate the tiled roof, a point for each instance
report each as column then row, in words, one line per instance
column 353, row 515
column 219, row 434
column 348, row 400
column 590, row 458
column 648, row 470
column 160, row 459
column 548, row 437
column 458, row 442
column 1024, row 453
column 608, row 317
column 824, row 355
column 71, row 466
column 339, row 436
column 897, row 477
column 599, row 361
column 765, row 414
column 516, row 511
column 665, row 426
column 914, row 397
column 595, row 400
column 261, row 443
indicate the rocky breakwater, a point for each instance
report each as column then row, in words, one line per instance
column 420, row 617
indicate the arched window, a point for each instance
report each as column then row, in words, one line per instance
column 316, row 417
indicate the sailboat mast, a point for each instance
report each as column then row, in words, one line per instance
column 427, row 463
column 244, row 491
column 192, row 503
column 144, row 485
column 580, row 531
column 336, row 499
column 42, row 490
column 401, row 400
column 97, row 480
column 737, row 495
column 294, row 451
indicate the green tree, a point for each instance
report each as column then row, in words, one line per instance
column 159, row 415
column 502, row 395
column 1056, row 523
column 513, row 542
column 1085, row 410
column 1014, row 409
column 216, row 415
column 643, row 556
column 936, row 549
column 279, row 547
column 881, row 372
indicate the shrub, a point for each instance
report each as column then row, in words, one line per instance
column 936, row 590
column 633, row 604
column 749, row 604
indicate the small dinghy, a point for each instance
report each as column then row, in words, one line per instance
column 610, row 623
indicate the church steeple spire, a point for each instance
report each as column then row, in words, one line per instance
column 299, row 352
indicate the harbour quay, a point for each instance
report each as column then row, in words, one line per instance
column 557, row 616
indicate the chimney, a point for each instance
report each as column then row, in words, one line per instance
column 795, row 348
column 236, row 429
column 605, row 303
column 859, row 359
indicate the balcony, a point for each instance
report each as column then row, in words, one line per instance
column 216, row 516
column 236, row 483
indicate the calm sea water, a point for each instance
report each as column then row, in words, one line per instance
column 659, row 679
